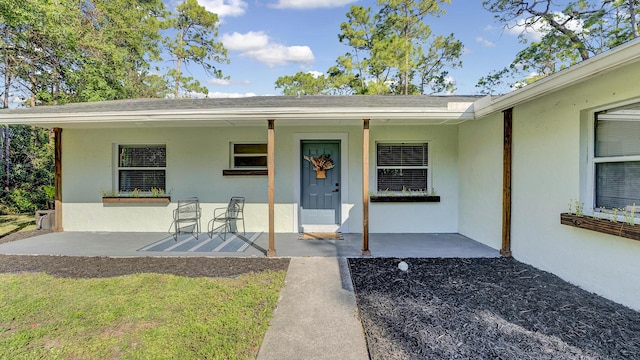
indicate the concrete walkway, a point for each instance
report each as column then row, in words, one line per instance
column 316, row 317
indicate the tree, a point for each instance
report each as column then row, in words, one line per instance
column 569, row 34
column 73, row 51
column 123, row 38
column 68, row 51
column 302, row 84
column 392, row 51
column 194, row 41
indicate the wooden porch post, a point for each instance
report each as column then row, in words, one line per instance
column 271, row 181
column 57, row 178
column 365, row 189
column 506, row 184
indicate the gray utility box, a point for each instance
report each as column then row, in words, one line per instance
column 45, row 219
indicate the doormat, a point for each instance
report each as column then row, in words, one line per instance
column 321, row 236
column 189, row 243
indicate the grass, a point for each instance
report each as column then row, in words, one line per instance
column 12, row 223
column 140, row 316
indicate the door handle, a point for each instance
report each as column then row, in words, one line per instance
column 336, row 190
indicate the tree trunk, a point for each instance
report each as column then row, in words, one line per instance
column 7, row 74
column 179, row 56
column 632, row 17
column 7, row 159
column 178, row 77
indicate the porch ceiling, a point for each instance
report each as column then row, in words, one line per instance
column 287, row 111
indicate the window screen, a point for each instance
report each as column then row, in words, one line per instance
column 141, row 167
column 249, row 156
column 402, row 166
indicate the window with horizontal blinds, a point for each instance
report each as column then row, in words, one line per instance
column 402, row 166
column 617, row 138
column 617, row 184
column 141, row 167
column 617, row 158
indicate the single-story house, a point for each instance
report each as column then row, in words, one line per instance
column 500, row 170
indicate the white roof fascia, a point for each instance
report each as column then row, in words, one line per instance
column 215, row 115
column 617, row 57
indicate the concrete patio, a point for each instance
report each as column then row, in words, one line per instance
column 286, row 244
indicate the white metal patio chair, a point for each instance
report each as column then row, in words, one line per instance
column 228, row 218
column 186, row 217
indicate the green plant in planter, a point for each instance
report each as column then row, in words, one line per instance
column 155, row 192
column 576, row 207
column 135, row 193
column 629, row 214
column 109, row 193
column 50, row 192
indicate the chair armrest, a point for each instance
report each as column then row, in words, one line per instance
column 219, row 212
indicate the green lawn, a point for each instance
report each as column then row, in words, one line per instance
column 13, row 223
column 141, row 316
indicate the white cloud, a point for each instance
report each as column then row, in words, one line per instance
column 225, row 7
column 221, row 82
column 315, row 74
column 485, row 42
column 16, row 99
column 277, row 54
column 245, row 42
column 257, row 45
column 311, row 4
column 227, row 82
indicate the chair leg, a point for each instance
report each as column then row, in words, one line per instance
column 226, row 230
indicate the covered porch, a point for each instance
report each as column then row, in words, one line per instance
column 214, row 148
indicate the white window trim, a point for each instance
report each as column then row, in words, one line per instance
column 429, row 167
column 589, row 195
column 117, row 168
column 232, row 155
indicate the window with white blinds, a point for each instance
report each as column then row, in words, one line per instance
column 402, row 167
column 141, row 167
column 617, row 158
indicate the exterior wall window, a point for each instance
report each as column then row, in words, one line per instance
column 617, row 158
column 402, row 167
column 141, row 167
column 248, row 156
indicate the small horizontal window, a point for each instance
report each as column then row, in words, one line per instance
column 249, row 156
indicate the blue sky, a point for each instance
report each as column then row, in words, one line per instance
column 267, row 39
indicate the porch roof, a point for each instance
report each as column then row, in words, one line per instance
column 287, row 110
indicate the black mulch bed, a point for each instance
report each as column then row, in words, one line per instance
column 485, row 309
column 100, row 267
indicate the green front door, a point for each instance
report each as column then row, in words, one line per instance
column 320, row 198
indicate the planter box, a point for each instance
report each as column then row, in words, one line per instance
column 234, row 172
column 407, row 198
column 606, row 226
column 160, row 200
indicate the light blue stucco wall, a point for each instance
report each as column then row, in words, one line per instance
column 196, row 158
